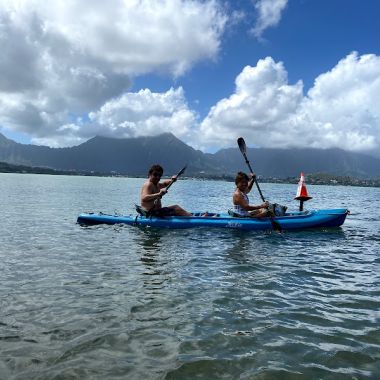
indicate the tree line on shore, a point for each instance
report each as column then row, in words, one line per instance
column 311, row 179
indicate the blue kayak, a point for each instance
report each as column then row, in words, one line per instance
column 290, row 221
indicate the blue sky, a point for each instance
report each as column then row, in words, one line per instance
column 281, row 73
column 310, row 39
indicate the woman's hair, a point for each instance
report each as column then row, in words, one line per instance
column 156, row 168
column 241, row 177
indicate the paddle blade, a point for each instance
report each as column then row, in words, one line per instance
column 276, row 226
column 242, row 146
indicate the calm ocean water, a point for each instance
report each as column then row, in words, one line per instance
column 119, row 302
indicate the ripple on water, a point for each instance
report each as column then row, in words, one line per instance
column 107, row 302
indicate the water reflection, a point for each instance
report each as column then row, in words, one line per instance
column 151, row 244
column 239, row 247
column 150, row 241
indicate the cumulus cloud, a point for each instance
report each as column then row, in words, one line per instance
column 340, row 110
column 269, row 14
column 343, row 108
column 67, row 66
column 262, row 98
column 61, row 60
column 144, row 113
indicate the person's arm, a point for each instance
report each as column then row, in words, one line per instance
column 147, row 194
column 238, row 199
column 167, row 182
column 251, row 181
column 263, row 205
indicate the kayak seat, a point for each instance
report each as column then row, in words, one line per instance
column 142, row 212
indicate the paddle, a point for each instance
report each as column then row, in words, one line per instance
column 171, row 182
column 243, row 149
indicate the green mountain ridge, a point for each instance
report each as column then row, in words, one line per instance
column 134, row 156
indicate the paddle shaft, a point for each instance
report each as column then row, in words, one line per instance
column 276, row 226
column 172, row 181
column 257, row 184
column 178, row 174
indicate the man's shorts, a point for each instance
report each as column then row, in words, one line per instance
column 163, row 211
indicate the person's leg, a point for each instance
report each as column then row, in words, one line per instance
column 260, row 213
column 179, row 211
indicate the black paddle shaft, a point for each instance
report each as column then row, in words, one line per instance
column 243, row 149
column 178, row 174
column 257, row 184
column 276, row 226
column 171, row 183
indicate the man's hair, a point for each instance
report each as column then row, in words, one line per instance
column 156, row 168
column 241, row 177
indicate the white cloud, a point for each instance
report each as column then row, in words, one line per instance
column 262, row 98
column 131, row 115
column 340, row 110
column 138, row 36
column 66, row 67
column 146, row 113
column 63, row 59
column 343, row 106
column 269, row 14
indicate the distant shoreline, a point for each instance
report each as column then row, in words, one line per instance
column 311, row 179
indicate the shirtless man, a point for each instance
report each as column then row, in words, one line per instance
column 152, row 192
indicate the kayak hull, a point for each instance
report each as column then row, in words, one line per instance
column 291, row 221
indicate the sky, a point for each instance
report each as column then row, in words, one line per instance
column 280, row 73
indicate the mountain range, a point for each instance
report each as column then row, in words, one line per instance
column 134, row 156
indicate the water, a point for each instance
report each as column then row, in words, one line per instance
column 119, row 302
